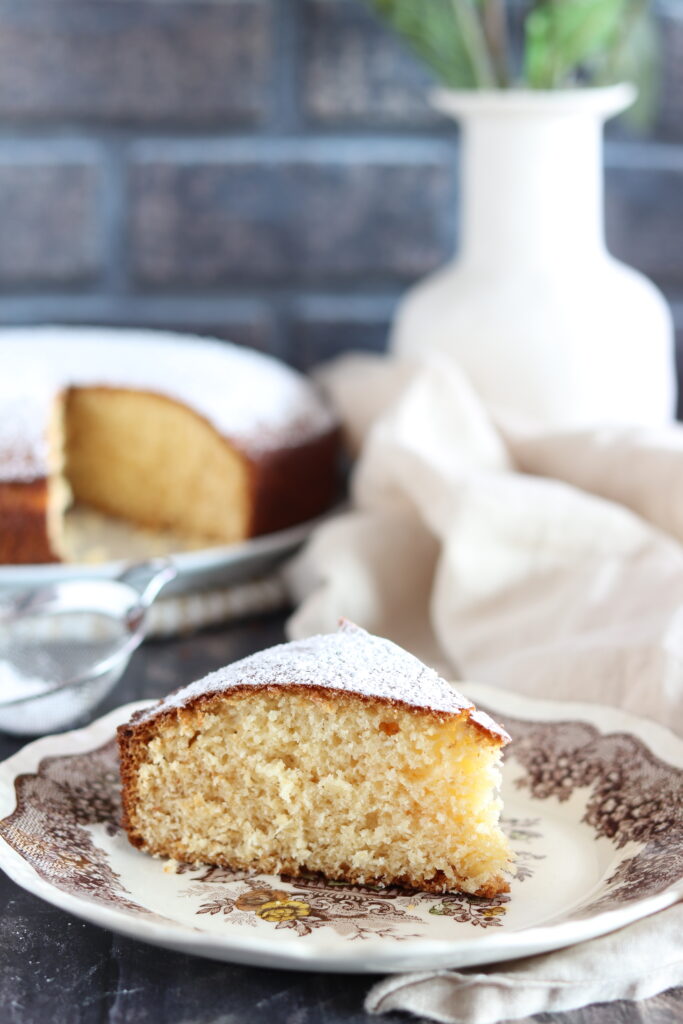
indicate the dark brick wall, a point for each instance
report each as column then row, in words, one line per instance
column 263, row 170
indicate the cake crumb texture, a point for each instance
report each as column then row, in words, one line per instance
column 286, row 776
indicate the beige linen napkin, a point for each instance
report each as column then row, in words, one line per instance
column 548, row 564
column 525, row 582
column 634, row 963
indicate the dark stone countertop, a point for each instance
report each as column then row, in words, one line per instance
column 55, row 969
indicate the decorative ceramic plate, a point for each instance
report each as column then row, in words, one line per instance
column 592, row 805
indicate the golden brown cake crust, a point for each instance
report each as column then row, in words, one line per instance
column 294, row 484
column 23, row 523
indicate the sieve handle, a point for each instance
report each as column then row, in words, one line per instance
column 148, row 578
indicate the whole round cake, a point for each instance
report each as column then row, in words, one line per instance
column 201, row 437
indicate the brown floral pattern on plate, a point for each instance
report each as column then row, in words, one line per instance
column 632, row 798
column 357, row 915
column 356, row 911
column 48, row 824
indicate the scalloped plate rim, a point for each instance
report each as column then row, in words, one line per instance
column 375, row 955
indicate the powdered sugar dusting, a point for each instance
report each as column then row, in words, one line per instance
column 350, row 660
column 486, row 722
column 252, row 399
column 24, row 416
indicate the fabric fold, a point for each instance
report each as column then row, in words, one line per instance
column 522, row 581
column 635, row 963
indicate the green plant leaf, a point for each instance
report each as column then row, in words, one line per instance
column 437, row 30
column 561, row 35
column 567, row 42
column 494, row 20
column 635, row 58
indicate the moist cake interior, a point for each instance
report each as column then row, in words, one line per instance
column 151, row 460
column 293, row 780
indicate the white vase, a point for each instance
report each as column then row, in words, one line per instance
column 543, row 319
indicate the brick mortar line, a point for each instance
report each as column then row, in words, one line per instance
column 114, row 219
column 306, row 128
column 77, row 150
column 655, row 155
column 354, row 149
column 284, row 109
column 250, row 304
column 351, row 147
column 46, row 150
column 280, row 320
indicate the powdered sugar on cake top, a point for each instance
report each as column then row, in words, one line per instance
column 251, row 399
column 350, row 660
column 23, row 433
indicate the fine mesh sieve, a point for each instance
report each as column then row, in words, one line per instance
column 64, row 646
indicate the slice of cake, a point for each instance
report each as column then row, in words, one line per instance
column 341, row 754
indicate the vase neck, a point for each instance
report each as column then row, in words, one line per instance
column 531, row 190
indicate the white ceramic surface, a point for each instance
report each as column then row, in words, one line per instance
column 544, row 321
column 592, row 804
column 200, row 569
